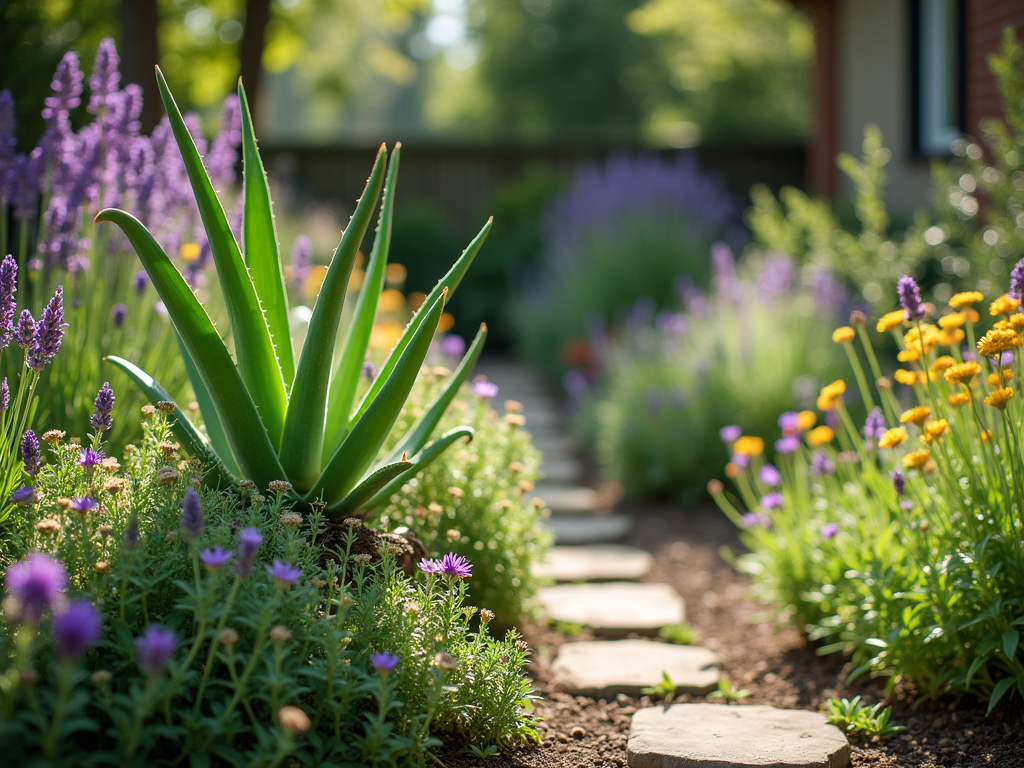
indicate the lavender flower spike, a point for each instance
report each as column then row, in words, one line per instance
column 910, row 298
column 249, row 541
column 8, row 304
column 216, row 557
column 5, row 395
column 899, row 482
column 302, row 261
column 77, row 628
column 26, row 329
column 104, row 403
column 48, row 333
column 1017, row 282
column 192, row 514
column 30, row 452
column 154, row 649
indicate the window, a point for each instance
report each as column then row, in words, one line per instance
column 937, row 28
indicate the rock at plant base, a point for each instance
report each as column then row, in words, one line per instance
column 589, row 529
column 604, row 669
column 734, row 736
column 596, row 562
column 567, row 499
column 614, row 609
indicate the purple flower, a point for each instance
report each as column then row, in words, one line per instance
column 1006, row 358
column 369, row 370
column 741, row 460
column 383, row 661
column 771, row 501
column 484, row 388
column 131, row 532
column 789, row 423
column 730, row 434
column 750, row 519
column 770, row 475
column 5, row 395
column 429, row 566
column 104, row 403
column 8, row 304
column 575, row 382
column 1017, row 281
column 874, row 426
column 829, row 530
column 191, row 514
column 216, row 557
column 249, row 541
column 24, row 496
column 302, row 261
column 154, row 649
column 140, row 281
column 83, row 504
column 90, row 459
column 48, row 333
column 821, row 464
column 899, row 482
column 76, row 628
column 284, row 574
column 910, row 298
column 788, row 444
column 453, row 345
column 26, row 329
column 105, row 76
column 118, row 315
column 450, row 565
column 36, row 582
column 30, row 452
column 906, row 505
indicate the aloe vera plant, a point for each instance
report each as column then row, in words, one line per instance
column 268, row 416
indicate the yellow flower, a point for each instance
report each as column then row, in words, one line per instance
column 950, row 337
column 965, row 299
column 890, row 320
column 905, row 377
column 820, row 435
column 893, row 437
column 915, row 415
column 843, row 335
column 749, row 445
column 972, row 315
column 986, row 435
column 927, row 336
column 806, row 420
column 732, row 471
column 1004, row 305
column 953, row 320
column 908, row 356
column 995, row 381
column 916, row 459
column 959, row 398
column 391, row 300
column 1016, row 321
column 996, row 341
column 835, row 389
column 385, row 335
column 943, row 363
column 936, row 428
column 999, row 398
column 190, row 251
column 963, row 373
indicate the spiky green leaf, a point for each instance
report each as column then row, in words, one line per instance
column 367, row 488
column 419, row 462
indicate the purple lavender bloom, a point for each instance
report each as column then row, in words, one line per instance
column 829, row 293
column 118, row 315
column 369, row 370
column 770, row 475
column 899, row 482
column 788, row 444
column 829, row 530
column 104, row 403
column 223, row 154
column 105, row 77
column 30, row 452
column 48, row 333
column 1017, row 281
column 140, row 282
column 777, row 276
column 249, row 541
column 821, row 464
column 383, row 661
column 453, row 345
column 454, row 565
column 24, row 496
column 789, row 423
column 216, row 557
column 730, row 434
column 83, row 504
column 5, row 395
column 771, row 501
column 724, row 278
column 26, row 329
column 131, row 532
column 90, row 459
column 750, row 519
column 284, row 574
column 874, row 426
column 485, row 389
column 191, row 514
column 302, row 261
column 741, row 460
column 8, row 304
column 910, row 298
column 36, row 582
column 671, row 323
column 154, row 649
column 76, row 629
column 906, row 505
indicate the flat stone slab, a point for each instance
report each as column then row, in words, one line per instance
column 737, row 736
column 604, row 669
column 589, row 529
column 557, row 445
column 614, row 609
column 562, row 469
column 596, row 562
column 567, row 499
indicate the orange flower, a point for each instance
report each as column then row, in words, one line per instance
column 908, row 378
column 999, row 398
column 806, row 420
column 908, row 355
column 959, row 398
column 843, row 335
column 732, row 471
column 820, row 436
column 962, row 373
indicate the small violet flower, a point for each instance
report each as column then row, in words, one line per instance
column 450, row 565
column 453, row 345
column 821, row 464
column 24, row 496
column 741, row 460
column 730, row 434
column 910, row 298
column 83, row 504
column 788, row 444
column 30, row 452
column 284, row 574
column 369, row 370
column 484, row 388
column 119, row 314
column 750, row 519
column 76, row 629
column 154, row 649
column 383, row 661
column 36, row 582
column 874, row 426
column 771, row 501
column 104, row 402
column 789, row 423
column 770, row 475
column 90, row 459
column 829, row 530
column 191, row 514
column 899, row 482
column 1017, row 282
column 216, row 557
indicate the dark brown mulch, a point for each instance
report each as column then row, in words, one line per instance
column 775, row 663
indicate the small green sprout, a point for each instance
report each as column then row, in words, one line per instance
column 665, row 689
column 853, row 717
column 569, row 628
column 727, row 692
column 483, row 753
column 679, row 634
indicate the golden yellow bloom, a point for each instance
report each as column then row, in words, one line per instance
column 190, row 251
column 936, row 428
column 893, row 437
column 806, row 420
column 916, row 459
column 950, row 337
column 972, row 315
column 843, row 335
column 986, row 436
column 1016, row 321
column 1004, row 305
column 959, row 398
column 965, row 299
column 927, row 336
column 890, row 320
column 820, row 435
column 908, row 355
column 749, row 445
column 953, row 320
column 915, row 415
column 996, row 341
column 962, row 373
column 827, row 403
column 385, row 335
column 835, row 389
column 995, row 381
column 391, row 300
column 905, row 377
column 999, row 398
column 930, row 467
column 943, row 363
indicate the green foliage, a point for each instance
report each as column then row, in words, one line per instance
column 679, row 634
column 853, row 717
column 570, row 628
column 727, row 692
column 664, row 689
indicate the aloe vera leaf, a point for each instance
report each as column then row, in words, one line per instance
column 245, row 432
column 450, row 282
column 350, row 364
column 367, row 488
column 357, row 451
column 261, row 248
column 254, row 349
column 304, row 426
column 419, row 462
column 417, row 437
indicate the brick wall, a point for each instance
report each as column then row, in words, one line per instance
column 985, row 20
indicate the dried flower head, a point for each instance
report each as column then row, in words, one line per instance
column 104, row 531
column 114, row 485
column 353, row 522
column 279, row 486
column 291, row 519
column 100, row 677
column 280, row 634
column 515, row 467
column 102, row 567
column 513, row 406
column 455, row 491
column 486, row 615
column 53, row 436
column 246, row 484
column 293, row 720
column 49, row 525
column 515, row 419
column 167, row 475
column 446, row 661
column 858, row 319
column 148, row 411
column 165, row 406
column 227, row 637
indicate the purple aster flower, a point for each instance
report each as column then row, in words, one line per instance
column 30, row 452
column 770, row 475
column 484, row 388
column 48, row 333
column 454, row 565
column 453, row 345
column 829, row 530
column 5, row 395
column 249, row 541
column 8, row 304
column 750, row 519
column 104, row 403
column 788, row 444
column 369, row 370
column 821, row 464
column 36, row 582
column 741, row 460
column 76, row 628
column 91, row 459
column 429, row 566
column 899, row 482
column 26, row 329
column 789, row 423
column 154, row 649
column 118, row 315
column 910, row 298
column 24, row 496
column 302, row 261
column 284, row 574
column 874, row 426
column 730, row 434
column 383, row 661
column 191, row 514
column 771, row 501
column 131, row 532
column 1017, row 281
column 83, row 504
column 216, row 557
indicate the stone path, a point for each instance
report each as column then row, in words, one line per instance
column 613, row 604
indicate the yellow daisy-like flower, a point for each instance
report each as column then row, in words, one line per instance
column 959, row 398
column 843, row 335
column 1004, row 305
column 826, row 403
column 927, row 333
column 972, row 315
column 820, row 436
column 936, row 428
column 915, row 415
column 835, row 389
column 950, row 337
column 749, row 445
column 996, row 341
column 995, row 381
column 962, row 373
column 890, row 320
column 999, row 398
column 965, row 299
column 908, row 355
column 943, row 363
column 1016, row 321
column 806, row 420
column 953, row 320
column 893, row 437
column 916, row 459
column 909, row 378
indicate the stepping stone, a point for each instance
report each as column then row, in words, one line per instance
column 561, row 469
column 614, row 609
column 557, row 445
column 604, row 669
column 736, row 736
column 596, row 562
column 546, row 420
column 567, row 499
column 589, row 529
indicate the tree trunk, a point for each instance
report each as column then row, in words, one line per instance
column 257, row 14
column 140, row 52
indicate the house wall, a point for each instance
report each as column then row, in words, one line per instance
column 985, row 20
